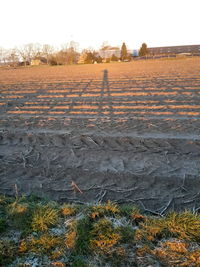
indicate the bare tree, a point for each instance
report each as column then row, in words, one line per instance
column 13, row 57
column 68, row 54
column 47, row 51
column 28, row 52
column 4, row 53
column 36, row 50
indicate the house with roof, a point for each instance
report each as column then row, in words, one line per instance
column 38, row 61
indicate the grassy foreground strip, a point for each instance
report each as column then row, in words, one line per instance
column 38, row 232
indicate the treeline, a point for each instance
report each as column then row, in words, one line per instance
column 46, row 54
column 36, row 54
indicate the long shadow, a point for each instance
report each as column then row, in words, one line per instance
column 105, row 83
column 106, row 90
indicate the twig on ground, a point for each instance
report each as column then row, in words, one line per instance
column 166, row 207
column 182, row 186
column 75, row 187
column 196, row 195
column 102, row 195
column 121, row 190
column 151, row 211
column 16, row 191
column 128, row 200
column 197, row 209
column 24, row 161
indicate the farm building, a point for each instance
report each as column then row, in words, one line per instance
column 184, row 49
column 108, row 51
column 38, row 61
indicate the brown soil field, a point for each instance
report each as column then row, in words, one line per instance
column 128, row 132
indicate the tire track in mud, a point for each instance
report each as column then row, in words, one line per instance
column 157, row 169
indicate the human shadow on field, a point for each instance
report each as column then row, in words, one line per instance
column 105, row 84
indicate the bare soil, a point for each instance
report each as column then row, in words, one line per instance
column 128, row 132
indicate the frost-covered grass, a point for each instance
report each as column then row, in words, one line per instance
column 37, row 232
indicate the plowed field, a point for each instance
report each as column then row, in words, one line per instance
column 124, row 131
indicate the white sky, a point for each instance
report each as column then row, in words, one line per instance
column 91, row 22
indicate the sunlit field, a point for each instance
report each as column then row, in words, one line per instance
column 168, row 88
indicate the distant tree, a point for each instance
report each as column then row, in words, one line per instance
column 99, row 59
column 52, row 60
column 4, row 54
column 89, row 58
column 71, row 56
column 72, row 52
column 114, row 58
column 67, row 55
column 95, row 56
column 129, row 57
column 143, row 50
column 123, row 52
column 12, row 57
column 47, row 52
column 28, row 52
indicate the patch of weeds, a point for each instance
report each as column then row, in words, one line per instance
column 44, row 243
column 8, row 251
column 3, row 225
column 19, row 216
column 133, row 213
column 104, row 237
column 43, row 217
column 177, row 253
column 70, row 239
column 127, row 234
column 126, row 210
column 57, row 253
column 78, row 261
column 17, row 208
column 33, row 199
column 136, row 216
column 58, row 264
column 3, row 200
column 78, row 240
column 83, row 229
column 185, row 225
column 71, row 235
column 104, row 209
column 68, row 209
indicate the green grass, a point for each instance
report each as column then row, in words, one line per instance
column 69, row 235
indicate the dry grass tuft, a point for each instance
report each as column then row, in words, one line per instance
column 104, row 237
column 185, row 225
column 43, row 217
column 176, row 253
column 68, row 210
column 104, row 209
